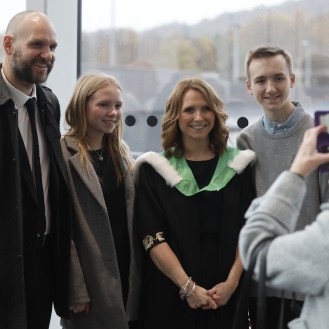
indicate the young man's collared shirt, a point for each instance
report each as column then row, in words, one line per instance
column 282, row 128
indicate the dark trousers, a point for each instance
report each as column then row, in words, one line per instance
column 38, row 288
column 134, row 325
column 273, row 309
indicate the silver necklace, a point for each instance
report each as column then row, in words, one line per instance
column 100, row 156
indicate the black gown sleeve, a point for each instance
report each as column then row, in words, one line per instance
column 150, row 216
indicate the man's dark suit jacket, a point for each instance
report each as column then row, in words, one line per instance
column 14, row 184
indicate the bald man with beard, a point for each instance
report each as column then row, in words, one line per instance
column 35, row 216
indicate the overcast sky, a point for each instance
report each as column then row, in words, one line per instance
column 144, row 14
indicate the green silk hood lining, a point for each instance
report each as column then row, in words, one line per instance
column 222, row 175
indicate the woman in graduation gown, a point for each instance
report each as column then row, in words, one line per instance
column 190, row 206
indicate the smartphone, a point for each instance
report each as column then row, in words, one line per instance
column 322, row 118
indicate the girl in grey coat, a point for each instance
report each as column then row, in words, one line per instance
column 104, row 276
column 295, row 261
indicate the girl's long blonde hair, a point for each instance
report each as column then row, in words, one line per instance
column 75, row 116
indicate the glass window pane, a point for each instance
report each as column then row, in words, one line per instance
column 149, row 45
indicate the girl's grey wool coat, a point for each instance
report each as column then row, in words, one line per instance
column 94, row 269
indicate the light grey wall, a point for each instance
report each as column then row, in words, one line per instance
column 63, row 14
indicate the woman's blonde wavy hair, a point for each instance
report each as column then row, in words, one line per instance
column 75, row 116
column 171, row 135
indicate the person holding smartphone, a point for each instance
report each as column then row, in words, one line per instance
column 295, row 260
column 322, row 118
column 275, row 139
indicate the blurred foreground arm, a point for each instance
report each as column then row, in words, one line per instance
column 273, row 216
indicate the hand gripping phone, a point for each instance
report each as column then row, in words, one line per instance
column 322, row 118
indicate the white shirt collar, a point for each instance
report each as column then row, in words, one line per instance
column 17, row 96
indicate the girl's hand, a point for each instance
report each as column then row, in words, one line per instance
column 81, row 307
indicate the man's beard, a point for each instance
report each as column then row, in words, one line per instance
column 23, row 70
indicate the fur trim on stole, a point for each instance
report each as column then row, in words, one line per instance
column 242, row 160
column 172, row 177
column 161, row 165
